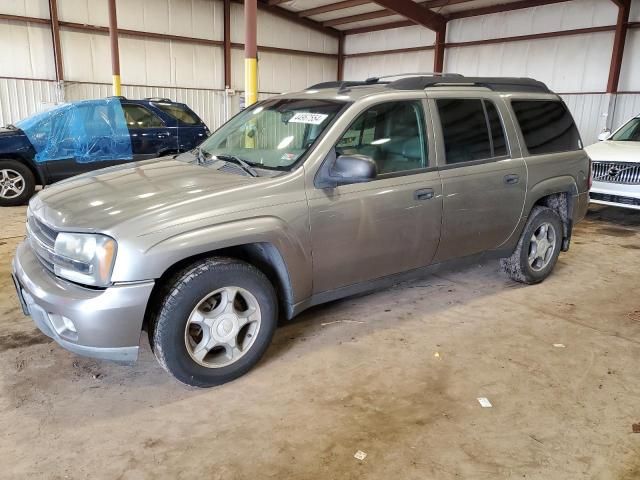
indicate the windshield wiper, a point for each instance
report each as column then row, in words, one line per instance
column 238, row 161
column 11, row 126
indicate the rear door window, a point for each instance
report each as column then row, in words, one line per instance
column 547, row 126
column 179, row 112
column 139, row 117
column 472, row 130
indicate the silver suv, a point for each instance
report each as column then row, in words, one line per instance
column 301, row 199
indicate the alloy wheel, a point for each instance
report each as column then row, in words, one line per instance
column 541, row 246
column 12, row 183
column 222, row 327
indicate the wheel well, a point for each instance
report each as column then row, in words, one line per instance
column 561, row 204
column 264, row 256
column 28, row 164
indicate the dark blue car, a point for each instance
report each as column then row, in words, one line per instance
column 78, row 137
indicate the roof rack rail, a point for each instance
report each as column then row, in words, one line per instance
column 413, row 74
column 499, row 84
column 339, row 84
column 119, row 97
column 158, row 99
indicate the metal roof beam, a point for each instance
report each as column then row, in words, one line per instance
column 332, row 7
column 416, row 13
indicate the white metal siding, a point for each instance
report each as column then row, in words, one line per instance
column 21, row 98
column 578, row 63
column 26, row 50
column 28, row 8
column 630, row 73
column 359, row 68
column 189, row 18
column 406, row 37
column 547, row 18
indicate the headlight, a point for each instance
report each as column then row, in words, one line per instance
column 84, row 258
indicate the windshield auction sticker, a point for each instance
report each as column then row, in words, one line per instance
column 308, row 117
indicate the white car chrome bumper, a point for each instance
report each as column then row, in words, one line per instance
column 615, row 194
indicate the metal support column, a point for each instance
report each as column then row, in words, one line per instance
column 250, row 52
column 115, row 52
column 341, row 56
column 57, row 51
column 624, row 6
column 438, row 54
column 227, row 44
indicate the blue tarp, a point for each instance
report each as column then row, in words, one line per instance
column 87, row 131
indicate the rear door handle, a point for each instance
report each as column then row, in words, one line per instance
column 423, row 194
column 511, row 179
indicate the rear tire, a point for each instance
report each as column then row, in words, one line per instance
column 17, row 183
column 215, row 321
column 538, row 248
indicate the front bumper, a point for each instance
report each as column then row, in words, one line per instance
column 107, row 322
column 617, row 195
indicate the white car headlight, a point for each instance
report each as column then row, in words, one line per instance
column 85, row 258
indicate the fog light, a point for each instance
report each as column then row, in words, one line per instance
column 69, row 324
column 63, row 325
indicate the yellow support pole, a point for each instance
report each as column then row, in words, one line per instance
column 250, row 81
column 117, row 88
column 250, row 66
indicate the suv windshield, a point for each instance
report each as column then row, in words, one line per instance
column 273, row 134
column 629, row 133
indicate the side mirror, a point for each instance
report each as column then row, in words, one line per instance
column 345, row 169
column 606, row 133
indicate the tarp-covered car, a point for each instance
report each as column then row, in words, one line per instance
column 78, row 137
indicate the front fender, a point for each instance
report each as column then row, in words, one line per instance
column 134, row 263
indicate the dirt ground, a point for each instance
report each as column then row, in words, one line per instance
column 395, row 374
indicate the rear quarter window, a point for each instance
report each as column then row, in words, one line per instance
column 547, row 126
column 179, row 112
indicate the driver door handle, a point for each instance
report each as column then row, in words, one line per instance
column 423, row 194
column 511, row 179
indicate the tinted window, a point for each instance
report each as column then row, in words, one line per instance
column 139, row 117
column 547, row 126
column 497, row 131
column 464, row 127
column 392, row 134
column 179, row 112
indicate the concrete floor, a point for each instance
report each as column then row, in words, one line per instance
column 361, row 374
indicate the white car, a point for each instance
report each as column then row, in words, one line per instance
column 616, row 167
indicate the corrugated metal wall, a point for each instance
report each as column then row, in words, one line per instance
column 577, row 65
column 19, row 98
column 184, row 71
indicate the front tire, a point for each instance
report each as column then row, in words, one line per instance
column 538, row 248
column 215, row 321
column 17, row 183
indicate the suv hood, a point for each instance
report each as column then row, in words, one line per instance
column 143, row 195
column 611, row 151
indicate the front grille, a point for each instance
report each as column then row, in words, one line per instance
column 42, row 239
column 605, row 197
column 617, row 172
